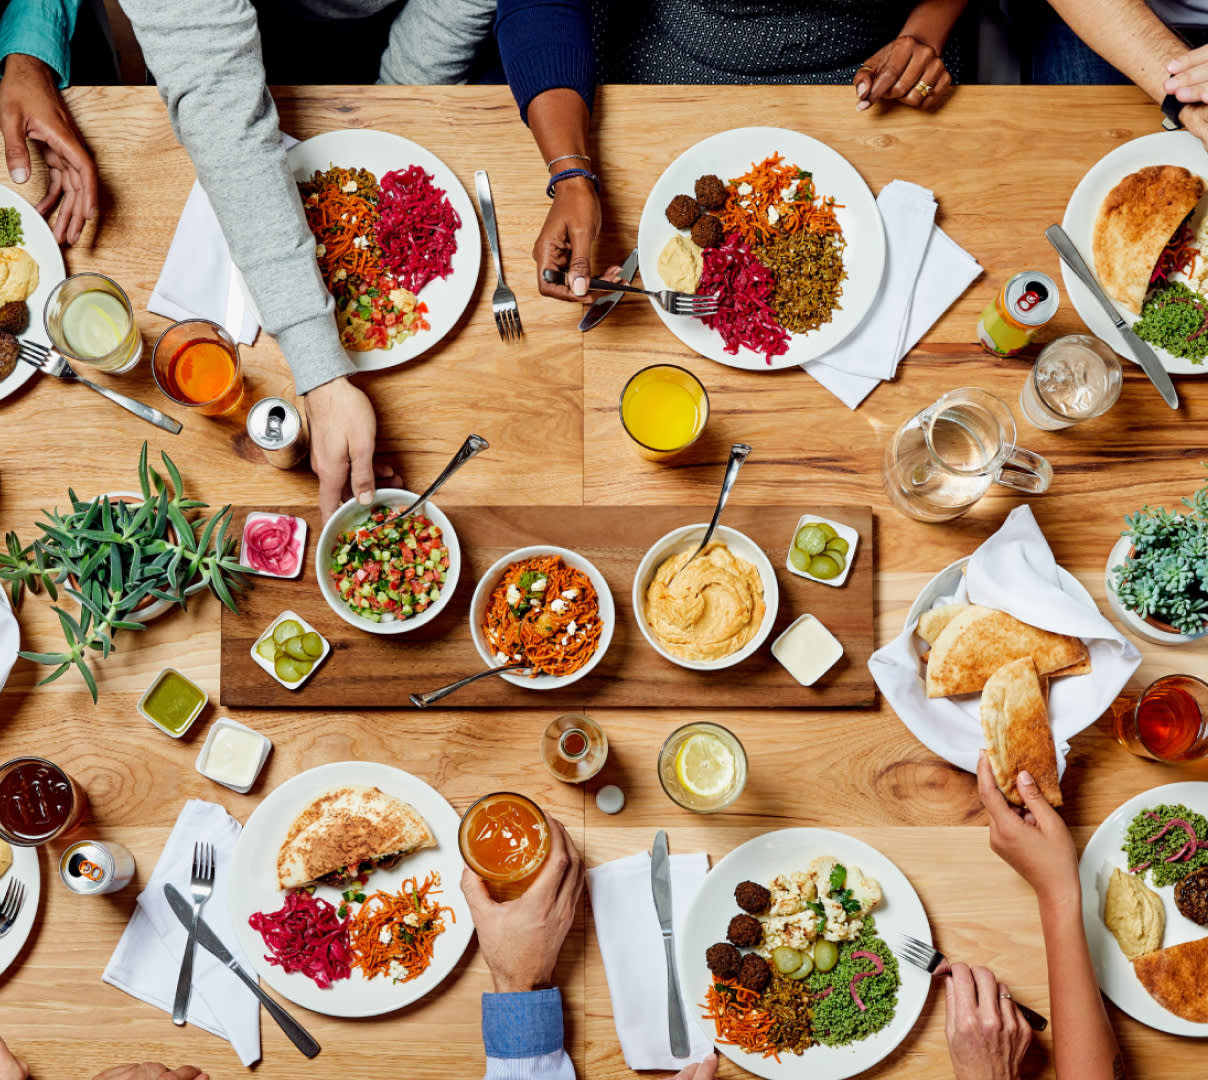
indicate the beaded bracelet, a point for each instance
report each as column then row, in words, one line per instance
column 567, row 174
column 566, row 157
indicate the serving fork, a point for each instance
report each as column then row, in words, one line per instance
column 924, row 956
column 201, row 885
column 677, row 303
column 53, row 362
column 10, row 906
column 503, row 302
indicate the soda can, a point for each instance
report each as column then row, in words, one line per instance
column 1024, row 304
column 275, row 426
column 89, row 867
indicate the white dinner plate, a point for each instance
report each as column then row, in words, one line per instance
column 901, row 912
column 730, row 154
column 255, row 864
column 1116, row 977
column 381, row 152
column 40, row 243
column 1161, row 148
column 25, row 869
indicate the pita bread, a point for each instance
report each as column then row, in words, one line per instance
column 1082, row 667
column 932, row 623
column 346, row 827
column 6, row 857
column 1016, row 725
column 1135, row 221
column 1175, row 979
column 978, row 641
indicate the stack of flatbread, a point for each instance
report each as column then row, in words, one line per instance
column 976, row 648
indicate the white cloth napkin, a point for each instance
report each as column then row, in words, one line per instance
column 631, row 943
column 146, row 961
column 10, row 638
column 925, row 272
column 1013, row 571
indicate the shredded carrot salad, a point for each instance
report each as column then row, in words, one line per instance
column 738, row 1019
column 394, row 934
column 342, row 211
column 757, row 206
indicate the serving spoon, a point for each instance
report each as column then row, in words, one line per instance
column 474, row 445
column 422, row 701
column 738, row 454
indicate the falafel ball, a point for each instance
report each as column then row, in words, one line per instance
column 1191, row 896
column 9, row 349
column 745, row 931
column 711, row 192
column 754, row 973
column 752, row 897
column 723, row 960
column 682, row 211
column 14, row 317
column 708, row 232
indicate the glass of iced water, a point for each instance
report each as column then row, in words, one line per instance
column 1075, row 378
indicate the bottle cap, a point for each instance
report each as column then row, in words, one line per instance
column 610, row 799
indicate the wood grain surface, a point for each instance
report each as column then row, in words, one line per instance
column 368, row 670
column 1002, row 162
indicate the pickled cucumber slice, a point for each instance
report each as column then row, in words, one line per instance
column 288, row 628
column 810, row 539
column 267, row 650
column 312, row 645
column 836, row 558
column 826, row 955
column 838, row 544
column 786, row 959
column 806, row 968
column 798, row 558
column 295, row 649
column 824, row 567
column 828, row 529
column 288, row 669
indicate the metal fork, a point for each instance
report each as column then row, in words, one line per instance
column 928, row 958
column 503, row 302
column 10, row 906
column 53, row 362
column 202, row 885
column 677, row 303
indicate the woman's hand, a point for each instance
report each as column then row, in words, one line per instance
column 705, row 1069
column 566, row 239
column 1189, row 76
column 987, row 1038
column 899, row 72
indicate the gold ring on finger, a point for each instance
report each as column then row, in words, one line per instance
column 865, row 67
column 923, row 88
column 1005, row 994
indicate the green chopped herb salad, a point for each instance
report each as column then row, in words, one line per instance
column 837, row 1018
column 1166, row 842
column 1176, row 319
column 11, row 233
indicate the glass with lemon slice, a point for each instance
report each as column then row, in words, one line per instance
column 702, row 767
column 89, row 319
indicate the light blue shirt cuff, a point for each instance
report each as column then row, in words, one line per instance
column 43, row 29
column 522, row 1025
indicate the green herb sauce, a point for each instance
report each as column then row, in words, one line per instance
column 173, row 701
column 1139, row 851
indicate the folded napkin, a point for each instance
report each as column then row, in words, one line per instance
column 925, row 272
column 146, row 961
column 10, row 639
column 1013, row 571
column 631, row 943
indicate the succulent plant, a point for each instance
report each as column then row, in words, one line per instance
column 111, row 556
column 1166, row 575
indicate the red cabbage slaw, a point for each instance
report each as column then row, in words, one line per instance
column 270, row 545
column 744, row 288
column 307, row 935
column 417, row 230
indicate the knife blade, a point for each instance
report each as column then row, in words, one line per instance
column 660, row 885
column 210, row 941
column 1142, row 353
column 597, row 311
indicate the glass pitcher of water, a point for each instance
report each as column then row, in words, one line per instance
column 943, row 459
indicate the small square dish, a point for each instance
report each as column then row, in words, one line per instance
column 285, row 651
column 233, row 755
column 807, row 649
column 273, row 544
column 172, row 702
column 826, row 539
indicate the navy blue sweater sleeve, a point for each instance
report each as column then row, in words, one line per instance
column 546, row 44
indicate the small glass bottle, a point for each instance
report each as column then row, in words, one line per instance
column 574, row 748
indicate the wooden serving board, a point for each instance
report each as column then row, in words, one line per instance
column 367, row 670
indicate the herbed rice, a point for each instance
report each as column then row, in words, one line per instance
column 809, row 273
column 788, row 1003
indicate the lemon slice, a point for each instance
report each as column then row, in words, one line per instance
column 704, row 765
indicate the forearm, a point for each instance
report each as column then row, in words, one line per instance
column 545, row 45
column 560, row 122
column 434, row 41
column 931, row 21
column 523, row 1036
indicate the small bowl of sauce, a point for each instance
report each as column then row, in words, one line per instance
column 172, row 702
column 504, row 838
column 233, row 755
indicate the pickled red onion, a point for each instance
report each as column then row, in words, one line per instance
column 270, row 545
column 878, row 967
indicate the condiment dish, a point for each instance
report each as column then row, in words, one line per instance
column 844, row 532
column 299, row 540
column 828, row 640
column 268, row 664
column 194, row 713
column 203, row 756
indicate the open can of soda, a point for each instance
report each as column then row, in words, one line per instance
column 90, row 867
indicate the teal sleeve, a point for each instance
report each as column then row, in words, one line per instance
column 43, row 29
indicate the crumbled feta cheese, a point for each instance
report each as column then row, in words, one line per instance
column 501, row 658
column 320, row 250
column 744, row 188
column 384, row 936
column 557, row 604
column 349, row 187
column 513, row 596
column 570, row 594
column 571, row 627
column 773, row 215
column 360, row 241
column 539, row 585
column 411, row 919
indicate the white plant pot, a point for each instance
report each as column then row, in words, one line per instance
column 1131, row 619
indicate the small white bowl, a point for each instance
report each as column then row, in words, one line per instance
column 686, row 538
column 846, row 532
column 828, row 639
column 142, row 702
column 268, row 664
column 486, row 585
column 299, row 536
column 353, row 513
column 226, row 722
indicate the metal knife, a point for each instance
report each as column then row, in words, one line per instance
column 207, row 939
column 597, row 311
column 660, row 884
column 1143, row 354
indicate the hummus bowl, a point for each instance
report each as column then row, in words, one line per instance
column 684, row 540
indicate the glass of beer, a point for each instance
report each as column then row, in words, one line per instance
column 88, row 318
column 702, row 767
column 38, row 801
column 1168, row 722
column 504, row 838
column 663, row 410
column 196, row 364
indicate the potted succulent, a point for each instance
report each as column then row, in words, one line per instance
column 1157, row 574
column 121, row 557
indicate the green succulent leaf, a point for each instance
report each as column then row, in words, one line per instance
column 144, row 481
column 56, row 673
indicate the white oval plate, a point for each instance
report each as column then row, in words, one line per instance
column 1161, row 148
column 381, row 152
column 28, row 871
column 1116, row 977
column 783, row 851
column 255, row 865
column 730, row 154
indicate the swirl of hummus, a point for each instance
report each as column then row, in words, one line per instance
column 711, row 610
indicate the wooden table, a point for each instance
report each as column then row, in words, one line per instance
column 1002, row 162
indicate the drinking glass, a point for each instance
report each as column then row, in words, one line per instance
column 504, row 838
column 1075, row 378
column 1168, row 721
column 38, row 801
column 88, row 318
column 196, row 364
column 663, row 410
column 694, row 781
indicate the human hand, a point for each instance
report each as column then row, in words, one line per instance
column 31, row 107
column 1188, row 76
column 705, row 1069
column 987, row 1037
column 1034, row 841
column 894, row 73
column 343, row 429
column 11, row 1066
column 152, row 1070
column 520, row 939
column 566, row 238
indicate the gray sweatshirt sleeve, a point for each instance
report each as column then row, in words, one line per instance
column 206, row 59
column 434, row 41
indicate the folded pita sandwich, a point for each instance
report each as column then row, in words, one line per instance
column 1015, row 723
column 348, row 832
column 1134, row 224
column 979, row 640
column 1177, row 979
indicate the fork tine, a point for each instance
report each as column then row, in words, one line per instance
column 8, row 898
column 499, row 325
column 516, row 320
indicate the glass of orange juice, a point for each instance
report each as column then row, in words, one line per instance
column 663, row 410
column 196, row 364
column 504, row 838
